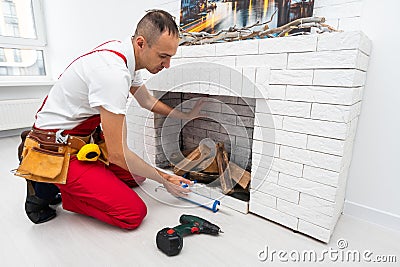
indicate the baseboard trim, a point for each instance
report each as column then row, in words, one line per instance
column 13, row 132
column 382, row 218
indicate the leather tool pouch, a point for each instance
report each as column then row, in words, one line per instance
column 44, row 161
column 104, row 154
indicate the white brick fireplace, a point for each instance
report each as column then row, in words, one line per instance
column 307, row 92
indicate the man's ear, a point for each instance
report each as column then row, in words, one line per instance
column 140, row 41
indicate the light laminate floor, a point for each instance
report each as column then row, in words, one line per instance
column 75, row 240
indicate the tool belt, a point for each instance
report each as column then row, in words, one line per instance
column 46, row 155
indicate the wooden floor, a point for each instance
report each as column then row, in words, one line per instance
column 75, row 240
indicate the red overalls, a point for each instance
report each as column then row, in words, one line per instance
column 101, row 191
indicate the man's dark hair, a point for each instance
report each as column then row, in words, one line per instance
column 154, row 23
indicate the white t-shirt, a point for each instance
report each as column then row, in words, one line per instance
column 98, row 79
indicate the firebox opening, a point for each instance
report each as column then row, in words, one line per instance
column 228, row 122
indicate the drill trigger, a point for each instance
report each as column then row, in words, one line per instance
column 195, row 230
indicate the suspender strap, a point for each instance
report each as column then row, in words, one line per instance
column 94, row 51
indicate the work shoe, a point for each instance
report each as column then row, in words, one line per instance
column 38, row 209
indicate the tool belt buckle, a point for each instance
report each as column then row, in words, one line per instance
column 61, row 139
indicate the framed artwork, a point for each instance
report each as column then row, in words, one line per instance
column 212, row 16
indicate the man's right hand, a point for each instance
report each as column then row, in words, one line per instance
column 173, row 183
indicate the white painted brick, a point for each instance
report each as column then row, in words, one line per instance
column 315, row 231
column 207, row 50
column 237, row 48
column 346, row 78
column 288, row 44
column 290, row 108
column 249, row 74
column 262, row 106
column 222, row 60
column 280, row 107
column 274, row 61
column 236, row 81
column 279, row 192
column 268, row 120
column 262, row 160
column 260, row 175
column 153, row 83
column 288, row 167
column 318, row 204
column 336, row 113
column 225, row 80
column 271, row 91
column 316, row 127
column 274, row 215
column 278, row 137
column 262, row 198
column 306, row 186
column 178, row 52
column 180, row 61
column 311, row 158
column 304, row 213
column 262, row 75
column 365, row 44
column 261, row 91
column 319, row 94
column 349, row 9
column 146, row 75
column 276, row 91
column 362, row 61
column 264, row 134
column 291, row 139
column 326, row 145
column 344, row 40
column 349, row 24
column 265, row 148
column 321, row 176
column 248, row 90
column 297, row 77
column 323, row 59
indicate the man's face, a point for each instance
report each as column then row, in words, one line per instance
column 158, row 55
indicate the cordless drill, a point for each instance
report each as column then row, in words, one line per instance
column 170, row 240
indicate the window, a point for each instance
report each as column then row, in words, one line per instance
column 22, row 40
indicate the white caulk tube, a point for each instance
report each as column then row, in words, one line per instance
column 196, row 198
column 199, row 200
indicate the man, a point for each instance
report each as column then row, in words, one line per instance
column 98, row 83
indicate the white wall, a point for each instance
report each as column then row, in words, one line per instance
column 373, row 190
column 76, row 26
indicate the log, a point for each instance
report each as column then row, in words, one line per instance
column 208, row 166
column 239, row 175
column 224, row 172
column 201, row 153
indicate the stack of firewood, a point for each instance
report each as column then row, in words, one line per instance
column 203, row 165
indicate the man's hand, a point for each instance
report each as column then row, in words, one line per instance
column 173, row 184
column 195, row 112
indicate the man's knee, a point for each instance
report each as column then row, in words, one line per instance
column 134, row 216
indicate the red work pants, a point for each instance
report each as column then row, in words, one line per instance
column 103, row 192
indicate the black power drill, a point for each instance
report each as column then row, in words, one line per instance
column 170, row 240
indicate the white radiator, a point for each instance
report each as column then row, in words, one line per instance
column 18, row 113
